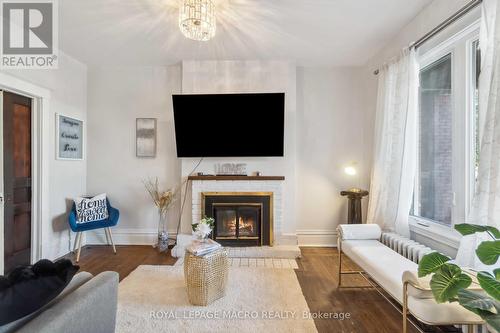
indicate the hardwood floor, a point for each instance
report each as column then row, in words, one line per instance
column 99, row 258
column 369, row 312
column 317, row 274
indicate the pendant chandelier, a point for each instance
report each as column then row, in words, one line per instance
column 197, row 19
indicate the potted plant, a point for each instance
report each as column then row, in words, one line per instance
column 163, row 200
column 203, row 228
column 449, row 282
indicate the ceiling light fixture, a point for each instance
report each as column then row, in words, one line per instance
column 197, row 19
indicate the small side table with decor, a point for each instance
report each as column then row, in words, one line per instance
column 354, row 215
column 206, row 276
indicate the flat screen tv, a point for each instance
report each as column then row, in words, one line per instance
column 229, row 125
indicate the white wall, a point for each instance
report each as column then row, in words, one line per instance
column 429, row 18
column 68, row 87
column 330, row 135
column 324, row 132
column 425, row 21
column 116, row 97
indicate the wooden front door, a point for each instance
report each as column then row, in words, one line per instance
column 16, row 180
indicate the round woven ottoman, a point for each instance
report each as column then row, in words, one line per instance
column 206, row 276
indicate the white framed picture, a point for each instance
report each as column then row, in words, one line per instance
column 69, row 138
column 145, row 135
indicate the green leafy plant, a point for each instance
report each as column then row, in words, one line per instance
column 449, row 282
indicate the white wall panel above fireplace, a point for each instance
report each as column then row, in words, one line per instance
column 248, row 77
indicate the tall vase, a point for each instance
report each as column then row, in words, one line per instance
column 162, row 244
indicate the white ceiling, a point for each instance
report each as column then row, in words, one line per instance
column 310, row 32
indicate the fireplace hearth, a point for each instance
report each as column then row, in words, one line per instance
column 241, row 219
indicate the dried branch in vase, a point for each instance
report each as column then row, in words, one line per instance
column 162, row 199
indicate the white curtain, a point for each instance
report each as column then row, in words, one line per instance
column 395, row 144
column 485, row 208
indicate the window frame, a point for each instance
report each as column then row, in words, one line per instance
column 459, row 46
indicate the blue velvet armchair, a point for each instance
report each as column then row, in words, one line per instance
column 79, row 228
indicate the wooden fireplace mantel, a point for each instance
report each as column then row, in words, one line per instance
column 253, row 178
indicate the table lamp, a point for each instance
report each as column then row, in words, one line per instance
column 354, row 196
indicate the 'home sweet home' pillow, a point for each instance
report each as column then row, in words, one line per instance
column 91, row 209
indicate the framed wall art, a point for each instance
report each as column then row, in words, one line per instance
column 69, row 138
column 145, row 134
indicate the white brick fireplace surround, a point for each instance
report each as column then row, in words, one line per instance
column 274, row 186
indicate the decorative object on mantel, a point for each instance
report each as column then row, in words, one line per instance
column 197, row 19
column 69, row 136
column 203, row 228
column 163, row 200
column 231, row 169
column 354, row 196
column 145, row 137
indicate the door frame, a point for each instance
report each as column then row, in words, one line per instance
column 40, row 145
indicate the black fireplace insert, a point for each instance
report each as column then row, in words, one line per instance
column 243, row 219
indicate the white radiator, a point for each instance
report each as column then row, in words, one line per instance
column 406, row 247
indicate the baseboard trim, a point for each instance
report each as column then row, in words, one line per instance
column 317, row 238
column 122, row 236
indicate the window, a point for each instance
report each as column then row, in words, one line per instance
column 435, row 123
column 448, row 135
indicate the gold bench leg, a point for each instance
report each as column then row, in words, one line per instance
column 405, row 307
column 340, row 269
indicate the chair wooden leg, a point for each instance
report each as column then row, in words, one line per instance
column 75, row 242
column 111, row 238
column 79, row 247
column 107, row 237
column 470, row 328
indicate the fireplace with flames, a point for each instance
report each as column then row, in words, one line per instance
column 241, row 219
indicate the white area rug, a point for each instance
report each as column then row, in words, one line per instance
column 255, row 262
column 154, row 299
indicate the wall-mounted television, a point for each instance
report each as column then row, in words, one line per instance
column 229, row 125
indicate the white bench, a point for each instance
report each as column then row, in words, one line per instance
column 398, row 277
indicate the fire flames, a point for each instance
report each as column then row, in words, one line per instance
column 246, row 227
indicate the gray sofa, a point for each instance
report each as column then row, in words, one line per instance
column 87, row 304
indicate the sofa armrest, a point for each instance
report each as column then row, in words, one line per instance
column 90, row 308
column 359, row 231
column 421, row 288
column 417, row 287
